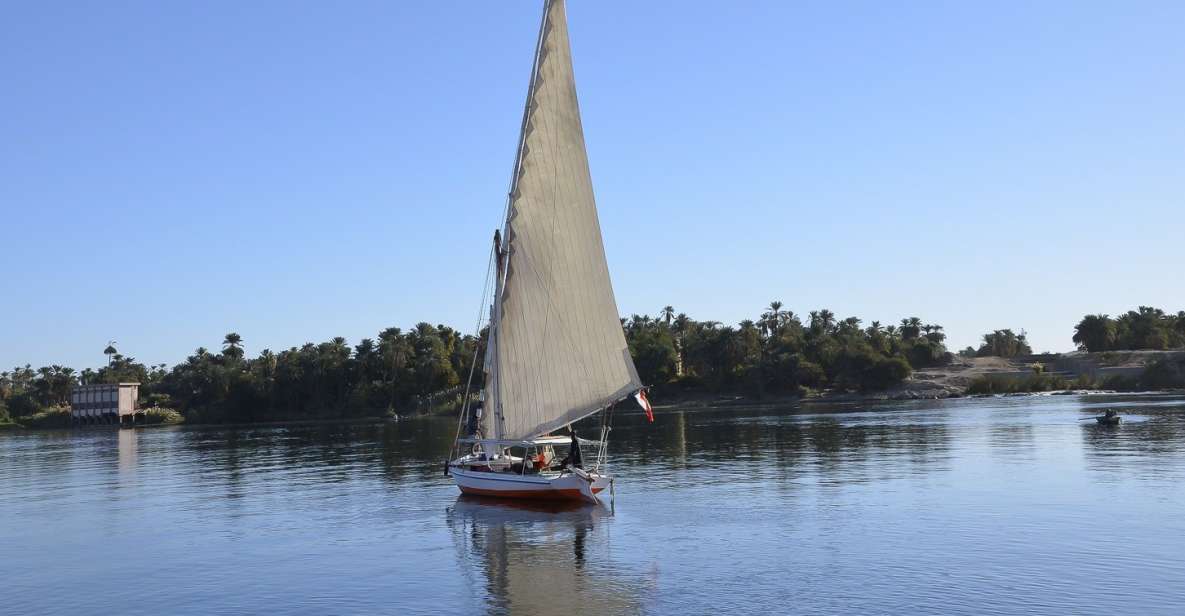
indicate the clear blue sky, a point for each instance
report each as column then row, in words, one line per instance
column 293, row 171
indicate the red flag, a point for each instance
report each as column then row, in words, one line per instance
column 645, row 404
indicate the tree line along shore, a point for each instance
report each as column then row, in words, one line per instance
column 422, row 370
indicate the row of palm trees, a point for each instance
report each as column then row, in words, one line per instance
column 1144, row 328
column 398, row 370
column 779, row 351
column 394, row 372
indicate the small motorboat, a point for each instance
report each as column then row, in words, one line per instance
column 1110, row 418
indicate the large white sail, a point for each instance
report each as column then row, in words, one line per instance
column 559, row 352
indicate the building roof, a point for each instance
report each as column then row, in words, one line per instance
column 96, row 385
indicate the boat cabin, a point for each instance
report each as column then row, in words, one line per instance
column 544, row 455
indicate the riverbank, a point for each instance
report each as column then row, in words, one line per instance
column 1073, row 373
column 1116, row 372
column 59, row 418
column 14, row 426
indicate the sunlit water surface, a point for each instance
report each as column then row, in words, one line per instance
column 1000, row 505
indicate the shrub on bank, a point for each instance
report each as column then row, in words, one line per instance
column 885, row 373
column 1164, row 374
column 53, row 417
column 1034, row 383
column 161, row 415
column 23, row 405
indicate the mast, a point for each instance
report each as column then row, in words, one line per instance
column 492, row 348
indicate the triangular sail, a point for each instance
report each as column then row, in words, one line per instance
column 558, row 351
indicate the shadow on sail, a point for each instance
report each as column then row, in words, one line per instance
column 542, row 558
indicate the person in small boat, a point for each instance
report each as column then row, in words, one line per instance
column 1110, row 414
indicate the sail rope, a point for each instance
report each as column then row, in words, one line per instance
column 477, row 347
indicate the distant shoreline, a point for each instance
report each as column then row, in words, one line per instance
column 16, row 426
column 742, row 401
column 1115, row 372
column 683, row 402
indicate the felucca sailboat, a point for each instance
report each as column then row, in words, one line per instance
column 555, row 351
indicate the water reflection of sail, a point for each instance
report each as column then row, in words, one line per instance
column 541, row 559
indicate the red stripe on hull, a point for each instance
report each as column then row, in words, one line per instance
column 531, row 494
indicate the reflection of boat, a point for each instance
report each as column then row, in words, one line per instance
column 531, row 556
column 556, row 352
column 1110, row 418
column 491, row 510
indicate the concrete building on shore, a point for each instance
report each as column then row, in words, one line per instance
column 104, row 404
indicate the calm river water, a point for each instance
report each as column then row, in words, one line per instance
column 999, row 505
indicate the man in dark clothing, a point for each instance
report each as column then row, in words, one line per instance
column 573, row 458
column 474, row 423
column 574, row 454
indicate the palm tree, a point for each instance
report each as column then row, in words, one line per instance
column 911, row 328
column 232, row 345
column 667, row 313
column 110, row 351
column 822, row 321
column 772, row 319
column 267, row 360
column 828, row 318
column 395, row 351
column 934, row 333
column 682, row 324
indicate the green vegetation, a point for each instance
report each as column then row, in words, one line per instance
column 1145, row 328
column 1166, row 373
column 1034, row 383
column 1004, row 343
column 778, row 353
column 53, row 417
column 158, row 415
column 421, row 370
column 399, row 372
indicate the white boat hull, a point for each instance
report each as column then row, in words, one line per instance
column 567, row 486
